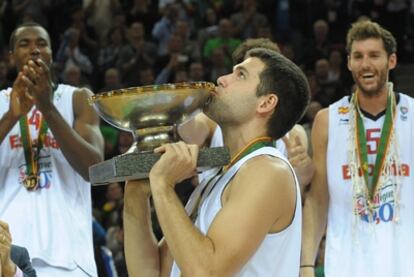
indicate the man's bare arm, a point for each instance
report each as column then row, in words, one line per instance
column 198, row 130
column 81, row 145
column 224, row 250
column 144, row 255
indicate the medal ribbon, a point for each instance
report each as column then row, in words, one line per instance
column 382, row 148
column 32, row 157
column 249, row 148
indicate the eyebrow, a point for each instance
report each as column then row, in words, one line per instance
column 241, row 68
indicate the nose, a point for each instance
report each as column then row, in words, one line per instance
column 366, row 62
column 34, row 50
column 223, row 80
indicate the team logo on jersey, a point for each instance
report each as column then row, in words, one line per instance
column 343, row 110
column 404, row 111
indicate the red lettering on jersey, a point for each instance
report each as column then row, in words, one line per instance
column 35, row 119
column 373, row 139
column 404, row 170
column 345, row 172
column 51, row 142
column 15, row 141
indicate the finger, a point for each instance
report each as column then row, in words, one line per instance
column 28, row 82
column 28, row 95
column 43, row 67
column 298, row 141
column 160, row 149
column 286, row 141
column 194, row 150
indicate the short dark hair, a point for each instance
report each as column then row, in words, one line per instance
column 365, row 29
column 240, row 52
column 12, row 40
column 286, row 80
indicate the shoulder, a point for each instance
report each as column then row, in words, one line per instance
column 268, row 184
column 266, row 173
column 81, row 97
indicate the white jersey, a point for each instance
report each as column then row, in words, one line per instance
column 279, row 253
column 54, row 222
column 217, row 141
column 383, row 247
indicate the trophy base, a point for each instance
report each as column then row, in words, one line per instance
column 133, row 166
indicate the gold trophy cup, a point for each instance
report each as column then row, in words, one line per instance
column 152, row 114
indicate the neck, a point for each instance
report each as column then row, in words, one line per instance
column 373, row 104
column 237, row 139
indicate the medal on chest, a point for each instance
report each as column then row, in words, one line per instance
column 32, row 152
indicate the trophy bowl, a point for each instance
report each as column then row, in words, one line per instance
column 152, row 114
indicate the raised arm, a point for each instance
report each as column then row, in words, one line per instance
column 20, row 104
column 81, row 145
column 144, row 255
column 198, row 130
column 317, row 201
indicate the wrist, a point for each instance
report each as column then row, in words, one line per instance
column 11, row 118
column 47, row 109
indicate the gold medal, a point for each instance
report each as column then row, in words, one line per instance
column 31, row 182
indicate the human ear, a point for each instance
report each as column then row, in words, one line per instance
column 267, row 103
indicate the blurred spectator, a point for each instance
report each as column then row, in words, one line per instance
column 99, row 14
column 4, row 82
column 115, row 242
column 36, row 10
column 322, row 72
column 110, row 135
column 112, row 79
column 224, row 40
column 248, row 20
column 144, row 11
column 88, row 42
column 196, row 72
column 176, row 63
column 181, row 76
column 165, row 27
column 114, row 200
column 175, row 56
column 124, row 142
column 136, row 54
column 218, row 65
column 191, row 47
column 146, row 76
column 70, row 54
column 209, row 27
column 338, row 71
column 72, row 76
column 313, row 108
column 318, row 47
column 108, row 55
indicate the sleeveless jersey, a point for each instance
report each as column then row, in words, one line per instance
column 217, row 141
column 279, row 253
column 383, row 247
column 54, row 222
